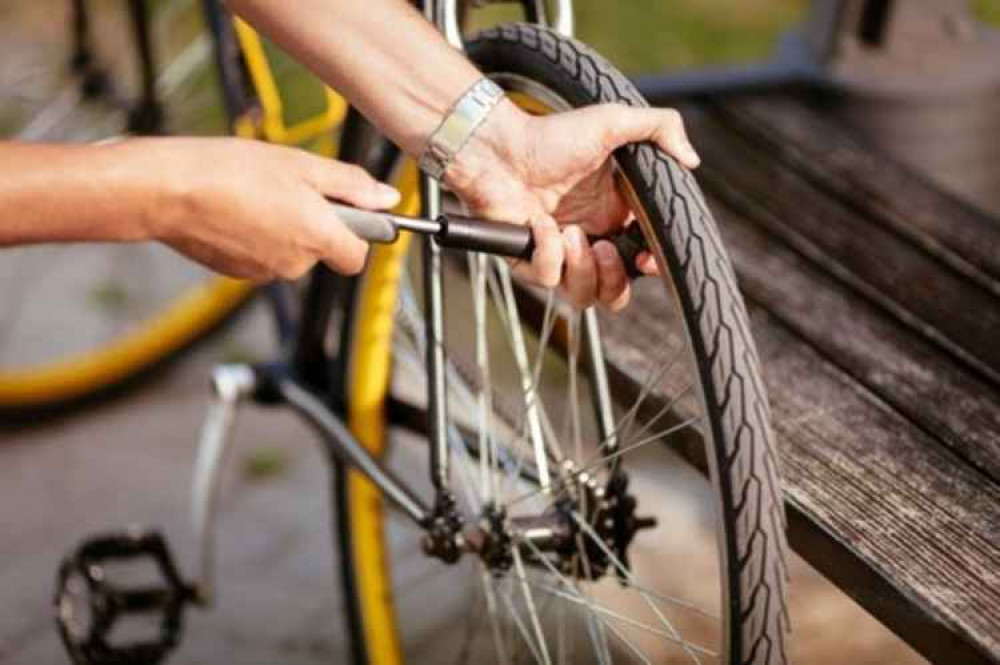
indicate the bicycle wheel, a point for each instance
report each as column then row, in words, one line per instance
column 83, row 321
column 652, row 561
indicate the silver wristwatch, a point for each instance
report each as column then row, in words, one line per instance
column 471, row 109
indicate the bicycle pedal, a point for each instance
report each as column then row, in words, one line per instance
column 92, row 611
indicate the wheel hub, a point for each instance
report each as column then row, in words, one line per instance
column 585, row 534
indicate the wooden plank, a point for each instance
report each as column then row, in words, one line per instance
column 906, row 527
column 913, row 533
column 842, row 162
column 919, row 289
column 900, row 366
column 876, row 324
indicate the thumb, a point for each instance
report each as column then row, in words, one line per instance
column 664, row 127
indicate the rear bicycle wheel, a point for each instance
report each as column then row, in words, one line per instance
column 656, row 563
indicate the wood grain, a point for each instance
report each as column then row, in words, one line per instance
column 923, row 292
column 900, row 366
column 875, row 301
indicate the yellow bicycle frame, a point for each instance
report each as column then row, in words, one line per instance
column 271, row 125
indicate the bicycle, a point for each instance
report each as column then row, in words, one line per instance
column 545, row 490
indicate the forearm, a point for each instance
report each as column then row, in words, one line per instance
column 68, row 193
column 381, row 54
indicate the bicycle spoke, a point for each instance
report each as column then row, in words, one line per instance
column 487, row 451
column 521, row 359
column 621, row 618
column 529, row 601
column 603, row 460
column 595, row 625
column 665, row 409
column 578, row 598
column 645, row 390
column 562, row 644
column 503, row 299
column 470, row 633
column 519, row 623
column 573, row 407
column 491, row 607
column 595, row 628
column 622, row 569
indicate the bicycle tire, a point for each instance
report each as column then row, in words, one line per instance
column 679, row 226
column 78, row 380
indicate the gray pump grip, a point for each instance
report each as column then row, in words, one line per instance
column 372, row 226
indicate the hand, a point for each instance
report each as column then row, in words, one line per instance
column 258, row 211
column 556, row 170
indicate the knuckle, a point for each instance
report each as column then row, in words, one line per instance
column 355, row 262
column 292, row 270
column 672, row 118
column 356, row 174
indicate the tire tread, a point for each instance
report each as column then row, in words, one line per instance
column 734, row 391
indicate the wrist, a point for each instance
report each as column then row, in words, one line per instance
column 490, row 152
column 155, row 185
column 126, row 179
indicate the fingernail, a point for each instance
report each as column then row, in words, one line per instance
column 646, row 262
column 692, row 156
column 604, row 252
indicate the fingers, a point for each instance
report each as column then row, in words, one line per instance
column 647, row 264
column 664, row 127
column 348, row 183
column 594, row 274
column 581, row 279
column 613, row 288
column 342, row 251
column 547, row 260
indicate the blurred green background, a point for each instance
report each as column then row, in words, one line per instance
column 652, row 35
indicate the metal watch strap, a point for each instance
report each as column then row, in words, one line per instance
column 471, row 109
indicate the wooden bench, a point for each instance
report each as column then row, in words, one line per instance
column 875, row 301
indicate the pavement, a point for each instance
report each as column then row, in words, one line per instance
column 130, row 462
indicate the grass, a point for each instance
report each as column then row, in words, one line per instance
column 652, row 35
column 264, row 464
column 987, row 11
column 235, row 352
column 108, row 296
